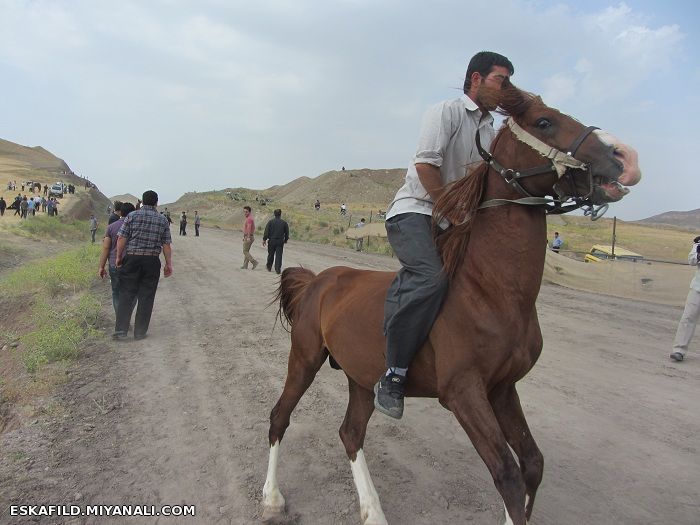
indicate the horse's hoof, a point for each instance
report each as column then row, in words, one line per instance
column 273, row 515
column 375, row 519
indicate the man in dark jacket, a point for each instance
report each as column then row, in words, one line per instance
column 277, row 232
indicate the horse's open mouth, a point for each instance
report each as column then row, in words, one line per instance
column 614, row 191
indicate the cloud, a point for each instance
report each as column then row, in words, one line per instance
column 282, row 88
column 620, row 57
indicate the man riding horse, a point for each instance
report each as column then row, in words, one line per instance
column 445, row 147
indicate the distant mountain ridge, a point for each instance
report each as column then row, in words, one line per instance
column 126, row 197
column 362, row 185
column 370, row 188
column 682, row 219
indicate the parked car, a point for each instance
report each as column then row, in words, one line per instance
column 601, row 252
column 56, row 190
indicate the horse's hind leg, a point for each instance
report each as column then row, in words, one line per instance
column 506, row 405
column 352, row 433
column 301, row 370
column 470, row 405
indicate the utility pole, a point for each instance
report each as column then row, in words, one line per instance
column 613, row 236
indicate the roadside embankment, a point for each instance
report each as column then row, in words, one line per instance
column 49, row 309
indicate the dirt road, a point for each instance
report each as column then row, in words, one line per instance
column 182, row 417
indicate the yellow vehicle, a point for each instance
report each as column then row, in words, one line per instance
column 601, row 252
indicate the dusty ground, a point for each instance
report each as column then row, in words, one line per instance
column 181, row 417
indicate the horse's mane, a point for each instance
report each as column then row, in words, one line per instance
column 460, row 200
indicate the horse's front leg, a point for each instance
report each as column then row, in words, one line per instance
column 273, row 501
column 469, row 403
column 506, row 405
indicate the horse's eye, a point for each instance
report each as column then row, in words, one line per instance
column 543, row 123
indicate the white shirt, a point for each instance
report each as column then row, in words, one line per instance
column 693, row 261
column 447, row 140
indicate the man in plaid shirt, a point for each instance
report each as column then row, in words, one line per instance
column 142, row 236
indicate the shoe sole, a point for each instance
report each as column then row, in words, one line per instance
column 383, row 410
column 677, row 357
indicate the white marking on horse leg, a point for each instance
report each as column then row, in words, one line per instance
column 370, row 507
column 273, row 501
column 508, row 520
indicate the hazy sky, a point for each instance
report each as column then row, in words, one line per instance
column 180, row 96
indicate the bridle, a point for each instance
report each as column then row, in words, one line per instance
column 559, row 163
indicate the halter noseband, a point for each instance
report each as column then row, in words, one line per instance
column 559, row 163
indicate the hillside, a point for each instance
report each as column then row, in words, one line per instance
column 364, row 191
column 21, row 163
column 682, row 219
column 126, row 197
column 363, row 185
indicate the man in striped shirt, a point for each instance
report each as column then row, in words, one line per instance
column 142, row 236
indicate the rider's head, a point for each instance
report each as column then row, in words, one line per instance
column 486, row 74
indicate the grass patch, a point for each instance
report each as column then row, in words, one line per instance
column 59, row 330
column 44, row 227
column 72, row 270
column 18, row 456
column 62, row 314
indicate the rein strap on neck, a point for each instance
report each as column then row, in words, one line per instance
column 561, row 160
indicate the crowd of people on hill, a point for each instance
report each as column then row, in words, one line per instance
column 25, row 206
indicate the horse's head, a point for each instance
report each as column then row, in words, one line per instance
column 577, row 162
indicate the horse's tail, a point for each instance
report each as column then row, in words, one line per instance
column 293, row 283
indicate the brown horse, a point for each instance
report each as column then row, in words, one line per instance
column 487, row 336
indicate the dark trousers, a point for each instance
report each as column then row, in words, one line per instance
column 92, row 233
column 415, row 296
column 138, row 280
column 2, row 212
column 114, row 281
column 274, row 252
column 196, row 230
column 183, row 227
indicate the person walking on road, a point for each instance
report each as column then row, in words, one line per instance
column 248, row 239
column 197, row 222
column 93, row 227
column 3, row 206
column 183, row 224
column 277, row 233
column 691, row 312
column 109, row 252
column 142, row 236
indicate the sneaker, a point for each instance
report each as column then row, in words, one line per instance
column 677, row 356
column 388, row 395
column 244, row 267
column 255, row 265
column 119, row 336
column 140, row 337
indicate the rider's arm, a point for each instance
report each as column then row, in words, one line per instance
column 431, row 180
